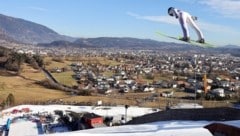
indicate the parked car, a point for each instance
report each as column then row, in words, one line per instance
column 167, row 94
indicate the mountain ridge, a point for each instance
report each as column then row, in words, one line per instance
column 28, row 32
column 120, row 42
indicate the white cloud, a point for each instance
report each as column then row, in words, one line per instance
column 38, row 8
column 161, row 19
column 217, row 28
column 227, row 8
column 170, row 20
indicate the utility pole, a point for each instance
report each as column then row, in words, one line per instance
column 195, row 61
column 205, row 83
column 126, row 107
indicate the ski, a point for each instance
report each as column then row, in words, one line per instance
column 192, row 42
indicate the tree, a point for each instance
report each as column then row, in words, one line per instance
column 39, row 60
column 15, row 61
column 10, row 100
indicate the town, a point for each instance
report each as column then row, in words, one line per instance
column 147, row 75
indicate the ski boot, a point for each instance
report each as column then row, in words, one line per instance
column 185, row 39
column 201, row 41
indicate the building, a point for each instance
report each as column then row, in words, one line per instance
column 230, row 128
column 93, row 120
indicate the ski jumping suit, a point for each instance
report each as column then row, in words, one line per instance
column 184, row 19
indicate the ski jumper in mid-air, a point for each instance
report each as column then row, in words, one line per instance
column 184, row 19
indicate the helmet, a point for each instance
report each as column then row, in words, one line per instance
column 171, row 11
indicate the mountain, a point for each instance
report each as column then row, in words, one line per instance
column 230, row 47
column 60, row 43
column 5, row 37
column 135, row 43
column 108, row 42
column 123, row 43
column 28, row 32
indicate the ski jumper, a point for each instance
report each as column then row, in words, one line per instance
column 184, row 19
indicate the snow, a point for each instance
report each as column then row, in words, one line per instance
column 26, row 127
column 235, row 123
column 162, row 128
column 186, row 106
column 117, row 112
column 23, row 127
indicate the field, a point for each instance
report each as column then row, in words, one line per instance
column 25, row 89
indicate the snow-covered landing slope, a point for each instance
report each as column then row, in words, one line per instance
column 163, row 128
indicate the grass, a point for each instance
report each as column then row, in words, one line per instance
column 26, row 90
column 65, row 78
column 94, row 99
column 107, row 73
column 109, row 62
column 24, row 87
column 30, row 73
column 158, row 77
column 99, row 60
column 54, row 64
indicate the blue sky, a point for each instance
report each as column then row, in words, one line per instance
column 218, row 19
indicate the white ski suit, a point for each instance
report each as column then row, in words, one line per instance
column 184, row 19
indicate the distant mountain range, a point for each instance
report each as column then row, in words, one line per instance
column 232, row 49
column 122, row 43
column 23, row 31
column 230, row 46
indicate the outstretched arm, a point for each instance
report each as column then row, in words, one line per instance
column 194, row 18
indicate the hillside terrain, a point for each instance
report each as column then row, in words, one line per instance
column 27, row 32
